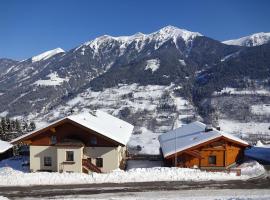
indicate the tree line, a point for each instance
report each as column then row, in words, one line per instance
column 12, row 128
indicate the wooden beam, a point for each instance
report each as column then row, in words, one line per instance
column 196, row 154
column 27, row 142
column 53, row 129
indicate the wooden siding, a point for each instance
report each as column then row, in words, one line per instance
column 226, row 153
column 233, row 153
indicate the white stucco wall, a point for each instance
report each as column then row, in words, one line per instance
column 37, row 154
column 58, row 155
column 66, row 166
column 111, row 156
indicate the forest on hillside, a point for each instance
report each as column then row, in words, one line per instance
column 12, row 128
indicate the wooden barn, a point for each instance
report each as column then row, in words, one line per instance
column 196, row 145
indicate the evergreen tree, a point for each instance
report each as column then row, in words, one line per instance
column 18, row 127
column 4, row 124
column 8, row 124
column 32, row 126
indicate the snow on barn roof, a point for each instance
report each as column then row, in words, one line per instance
column 100, row 122
column 190, row 135
column 4, row 146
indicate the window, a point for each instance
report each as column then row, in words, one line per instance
column 93, row 140
column 99, row 162
column 47, row 161
column 53, row 139
column 69, row 156
column 212, row 160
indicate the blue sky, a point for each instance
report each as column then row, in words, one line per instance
column 30, row 27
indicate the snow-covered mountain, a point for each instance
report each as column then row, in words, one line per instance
column 155, row 81
column 251, row 40
column 47, row 54
column 139, row 40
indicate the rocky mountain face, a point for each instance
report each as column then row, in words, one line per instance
column 156, row 81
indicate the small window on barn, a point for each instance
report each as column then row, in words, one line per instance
column 212, row 160
column 47, row 161
column 99, row 162
column 53, row 139
column 93, row 140
column 69, row 156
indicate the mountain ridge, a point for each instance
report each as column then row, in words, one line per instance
column 255, row 39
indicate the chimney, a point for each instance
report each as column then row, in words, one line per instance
column 208, row 128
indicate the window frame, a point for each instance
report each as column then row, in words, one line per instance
column 47, row 161
column 53, row 139
column 99, row 162
column 67, row 156
column 214, row 157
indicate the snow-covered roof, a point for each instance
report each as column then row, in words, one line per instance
column 4, row 146
column 100, row 122
column 189, row 136
column 106, row 125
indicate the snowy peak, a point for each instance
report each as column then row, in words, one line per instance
column 251, row 40
column 47, row 54
column 140, row 39
column 174, row 32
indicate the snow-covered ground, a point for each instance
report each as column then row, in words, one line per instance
column 152, row 64
column 53, row 80
column 261, row 109
column 10, row 177
column 13, row 174
column 229, row 90
column 133, row 164
column 232, row 126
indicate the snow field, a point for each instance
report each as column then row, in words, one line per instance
column 53, row 80
column 152, row 64
column 261, row 109
column 11, row 177
column 247, row 128
column 229, row 90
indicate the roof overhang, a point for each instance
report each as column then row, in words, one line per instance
column 51, row 127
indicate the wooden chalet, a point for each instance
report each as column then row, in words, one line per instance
column 196, row 145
